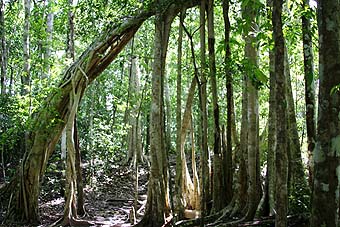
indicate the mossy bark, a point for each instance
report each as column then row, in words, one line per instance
column 325, row 198
column 281, row 159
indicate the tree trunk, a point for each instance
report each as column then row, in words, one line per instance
column 80, row 184
column 297, row 184
column 167, row 114
column 281, row 123
column 309, row 87
column 185, row 124
column 227, row 154
column 49, row 39
column 186, row 183
column 206, row 195
column 135, row 153
column 270, row 175
column 71, row 53
column 219, row 199
column 178, row 185
column 3, row 50
column 271, row 146
column 196, row 200
column 254, row 186
column 326, row 153
column 157, row 206
column 70, row 211
column 241, row 187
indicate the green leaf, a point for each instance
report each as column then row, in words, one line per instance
column 335, row 89
column 260, row 76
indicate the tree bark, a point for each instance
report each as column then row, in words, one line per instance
column 206, row 193
column 80, row 183
column 281, row 160
column 135, row 148
column 254, row 186
column 196, row 198
column 227, row 154
column 326, row 153
column 241, row 187
column 270, row 175
column 178, row 185
column 219, row 199
column 70, row 210
column 157, row 206
column 309, row 87
column 297, row 184
column 186, row 183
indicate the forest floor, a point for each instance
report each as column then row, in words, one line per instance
column 108, row 201
column 109, row 198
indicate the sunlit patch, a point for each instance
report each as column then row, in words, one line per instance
column 54, row 202
column 313, row 4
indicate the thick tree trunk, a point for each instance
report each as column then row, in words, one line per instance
column 241, row 187
column 70, row 210
column 157, row 206
column 219, row 195
column 326, row 153
column 190, row 191
column 202, row 85
column 281, row 123
column 227, row 154
column 187, row 186
column 297, row 184
column 254, row 186
column 269, row 187
column 309, row 87
column 179, row 178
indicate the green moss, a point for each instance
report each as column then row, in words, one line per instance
column 338, row 175
column 335, row 143
column 318, row 155
column 330, row 24
column 325, row 187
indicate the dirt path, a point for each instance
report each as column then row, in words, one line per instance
column 109, row 200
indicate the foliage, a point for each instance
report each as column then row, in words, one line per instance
column 13, row 118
